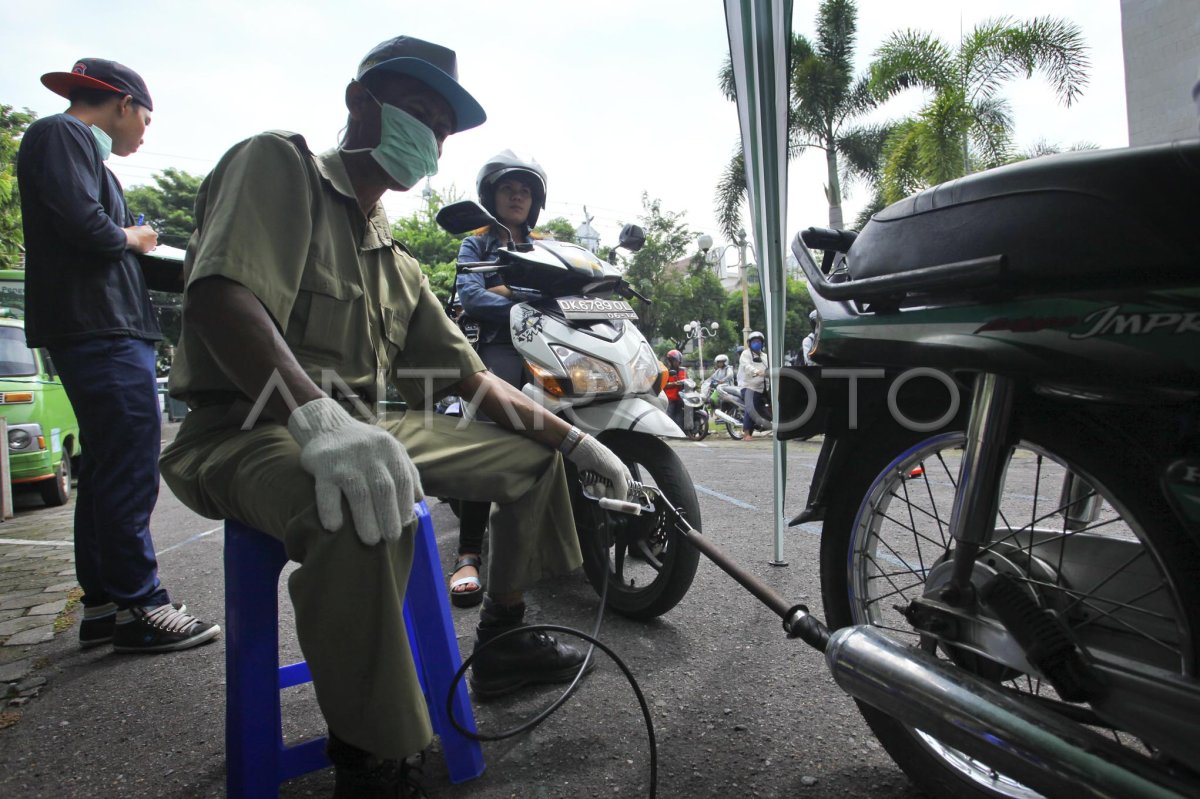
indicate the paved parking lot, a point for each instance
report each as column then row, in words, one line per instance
column 738, row 709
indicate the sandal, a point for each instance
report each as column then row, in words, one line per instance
column 473, row 594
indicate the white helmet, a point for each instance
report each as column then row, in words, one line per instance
column 757, row 335
column 721, row 359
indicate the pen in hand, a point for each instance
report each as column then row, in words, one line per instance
column 140, row 241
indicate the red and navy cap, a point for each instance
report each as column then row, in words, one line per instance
column 99, row 73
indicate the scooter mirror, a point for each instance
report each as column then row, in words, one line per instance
column 463, row 217
column 632, row 238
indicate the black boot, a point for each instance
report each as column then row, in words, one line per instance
column 524, row 658
column 358, row 774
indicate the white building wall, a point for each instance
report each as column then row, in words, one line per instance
column 1161, row 41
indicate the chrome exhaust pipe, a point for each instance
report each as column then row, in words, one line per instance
column 1026, row 742
column 724, row 417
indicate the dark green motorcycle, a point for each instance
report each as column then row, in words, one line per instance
column 1008, row 378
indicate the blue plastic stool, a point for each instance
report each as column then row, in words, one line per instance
column 257, row 760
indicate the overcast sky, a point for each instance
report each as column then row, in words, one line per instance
column 614, row 98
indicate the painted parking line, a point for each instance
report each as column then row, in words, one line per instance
column 724, row 497
column 815, row 529
column 29, row 543
column 807, row 527
column 189, row 540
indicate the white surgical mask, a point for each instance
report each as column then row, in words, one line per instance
column 103, row 140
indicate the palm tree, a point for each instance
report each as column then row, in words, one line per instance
column 825, row 98
column 966, row 125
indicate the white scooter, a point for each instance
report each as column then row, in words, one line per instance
column 695, row 417
column 594, row 368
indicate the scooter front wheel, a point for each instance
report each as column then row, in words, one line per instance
column 699, row 429
column 648, row 565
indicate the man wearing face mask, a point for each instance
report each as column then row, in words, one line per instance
column 86, row 302
column 752, row 377
column 299, row 305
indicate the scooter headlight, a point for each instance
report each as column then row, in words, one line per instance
column 644, row 371
column 589, row 376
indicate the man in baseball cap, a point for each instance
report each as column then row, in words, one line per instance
column 103, row 75
column 298, row 305
column 86, row 301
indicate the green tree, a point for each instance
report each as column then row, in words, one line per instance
column 12, row 125
column 966, row 125
column 558, row 229
column 168, row 205
column 825, row 100
column 1043, row 147
column 667, row 239
column 696, row 296
column 435, row 249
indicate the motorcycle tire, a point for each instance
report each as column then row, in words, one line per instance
column 648, row 565
column 699, row 430
column 734, row 431
column 868, row 544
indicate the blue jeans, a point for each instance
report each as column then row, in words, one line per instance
column 756, row 413
column 111, row 385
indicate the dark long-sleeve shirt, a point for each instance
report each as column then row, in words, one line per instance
column 489, row 308
column 81, row 282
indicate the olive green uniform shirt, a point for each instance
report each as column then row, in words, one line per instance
column 351, row 303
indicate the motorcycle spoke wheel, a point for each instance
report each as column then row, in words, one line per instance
column 1097, row 557
column 734, row 431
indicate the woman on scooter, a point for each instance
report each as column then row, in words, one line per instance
column 513, row 190
column 752, row 377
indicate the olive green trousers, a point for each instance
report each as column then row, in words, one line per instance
column 349, row 597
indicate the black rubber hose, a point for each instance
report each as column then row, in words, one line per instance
column 594, row 642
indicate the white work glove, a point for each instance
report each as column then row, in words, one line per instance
column 589, row 455
column 360, row 460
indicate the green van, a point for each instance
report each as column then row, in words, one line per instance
column 43, row 435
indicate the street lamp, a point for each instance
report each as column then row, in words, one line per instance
column 705, row 243
column 698, row 332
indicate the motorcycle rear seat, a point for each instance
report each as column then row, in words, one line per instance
column 1131, row 214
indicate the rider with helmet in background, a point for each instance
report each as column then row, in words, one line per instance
column 513, row 190
column 752, row 377
column 721, row 374
column 810, row 341
column 676, row 374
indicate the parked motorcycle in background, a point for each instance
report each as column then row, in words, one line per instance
column 695, row 417
column 730, row 411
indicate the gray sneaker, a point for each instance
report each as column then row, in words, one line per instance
column 160, row 629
